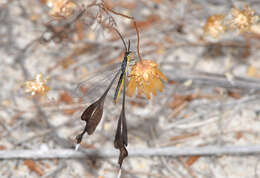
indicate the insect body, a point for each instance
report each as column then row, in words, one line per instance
column 124, row 69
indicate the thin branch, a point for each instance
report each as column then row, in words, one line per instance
column 137, row 152
column 117, row 13
column 212, row 79
column 134, row 21
column 138, row 41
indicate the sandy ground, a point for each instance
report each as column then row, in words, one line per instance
column 211, row 98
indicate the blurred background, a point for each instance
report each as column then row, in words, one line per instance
column 57, row 57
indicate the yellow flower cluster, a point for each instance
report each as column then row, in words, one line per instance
column 61, row 8
column 146, row 77
column 214, row 25
column 37, row 86
column 241, row 20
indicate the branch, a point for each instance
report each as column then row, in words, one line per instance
column 137, row 152
column 212, row 79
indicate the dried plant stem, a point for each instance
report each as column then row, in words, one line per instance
column 187, row 167
column 137, row 152
column 138, row 41
column 135, row 24
column 212, row 79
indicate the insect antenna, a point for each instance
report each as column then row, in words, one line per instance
column 121, row 38
column 128, row 49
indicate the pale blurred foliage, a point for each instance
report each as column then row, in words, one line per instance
column 37, row 86
column 214, row 25
column 243, row 19
column 61, row 8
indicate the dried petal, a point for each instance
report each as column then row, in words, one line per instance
column 153, row 86
column 159, row 85
column 131, row 87
column 161, row 76
column 146, row 90
column 140, row 90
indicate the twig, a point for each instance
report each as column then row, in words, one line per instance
column 135, row 25
column 137, row 152
column 56, row 171
column 212, row 79
column 187, row 167
column 138, row 40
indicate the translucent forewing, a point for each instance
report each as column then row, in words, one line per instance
column 94, row 82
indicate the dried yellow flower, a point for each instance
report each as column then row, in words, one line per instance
column 37, row 86
column 214, row 25
column 146, row 77
column 243, row 19
column 61, row 8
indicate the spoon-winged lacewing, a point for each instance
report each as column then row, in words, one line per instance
column 93, row 113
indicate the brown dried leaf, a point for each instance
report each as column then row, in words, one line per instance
column 2, row 147
column 191, row 160
column 151, row 19
column 157, row 1
column 168, row 39
column 235, row 95
column 178, row 100
column 68, row 61
column 126, row 5
column 79, row 29
column 172, row 82
column 83, row 89
column 33, row 167
column 87, row 146
column 184, row 136
column 43, row 1
column 239, row 135
column 65, row 97
column 70, row 111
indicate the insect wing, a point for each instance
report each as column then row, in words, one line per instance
column 94, row 85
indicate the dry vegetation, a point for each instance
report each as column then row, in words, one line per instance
column 205, row 123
